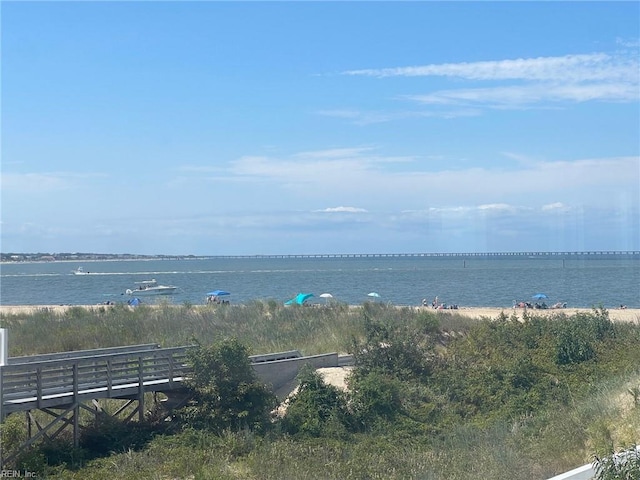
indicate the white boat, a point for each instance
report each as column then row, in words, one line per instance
column 79, row 271
column 150, row 287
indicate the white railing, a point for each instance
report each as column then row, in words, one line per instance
column 585, row 472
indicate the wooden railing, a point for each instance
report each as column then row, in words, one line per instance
column 66, row 378
column 82, row 353
column 61, row 381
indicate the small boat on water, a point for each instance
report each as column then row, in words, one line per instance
column 80, row 271
column 150, row 287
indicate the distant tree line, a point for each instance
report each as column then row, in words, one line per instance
column 68, row 256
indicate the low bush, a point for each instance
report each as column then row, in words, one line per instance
column 226, row 391
column 317, row 409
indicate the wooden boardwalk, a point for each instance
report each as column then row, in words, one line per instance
column 29, row 383
column 61, row 384
column 61, row 379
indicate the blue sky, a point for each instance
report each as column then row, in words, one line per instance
column 248, row 128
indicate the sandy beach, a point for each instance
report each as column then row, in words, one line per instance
column 616, row 315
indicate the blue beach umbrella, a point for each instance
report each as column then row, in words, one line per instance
column 218, row 293
column 539, row 296
column 373, row 294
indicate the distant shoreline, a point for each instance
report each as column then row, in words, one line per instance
column 616, row 315
column 94, row 260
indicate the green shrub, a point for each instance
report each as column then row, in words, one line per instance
column 574, row 345
column 373, row 397
column 13, row 433
column 317, row 409
column 226, row 390
column 392, row 348
column 50, row 455
column 107, row 434
column 428, row 322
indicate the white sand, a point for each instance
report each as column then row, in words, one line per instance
column 615, row 314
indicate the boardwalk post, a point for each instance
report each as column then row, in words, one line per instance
column 76, row 408
column 4, row 355
column 109, row 377
column 170, row 358
column 4, row 349
column 4, row 346
column 140, row 390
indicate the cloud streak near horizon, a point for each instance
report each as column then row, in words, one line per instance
column 362, row 177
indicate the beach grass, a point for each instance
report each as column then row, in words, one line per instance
column 264, row 326
column 590, row 405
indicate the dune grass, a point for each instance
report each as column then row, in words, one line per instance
column 264, row 326
column 591, row 409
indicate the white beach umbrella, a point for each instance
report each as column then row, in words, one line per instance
column 327, row 297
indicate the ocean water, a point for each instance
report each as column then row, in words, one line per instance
column 584, row 280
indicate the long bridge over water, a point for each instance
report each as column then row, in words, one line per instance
column 460, row 254
column 9, row 257
column 61, row 385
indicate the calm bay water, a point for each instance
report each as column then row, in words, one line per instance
column 579, row 280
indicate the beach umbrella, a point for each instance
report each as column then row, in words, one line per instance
column 299, row 299
column 327, row 297
column 373, row 294
column 539, row 296
column 217, row 293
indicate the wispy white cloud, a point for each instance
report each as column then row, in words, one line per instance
column 627, row 42
column 523, row 95
column 556, row 207
column 322, row 166
column 369, row 118
column 496, row 207
column 569, row 68
column 529, row 81
column 364, row 177
column 506, row 210
column 334, row 153
column 342, row 210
